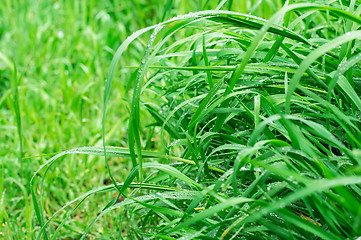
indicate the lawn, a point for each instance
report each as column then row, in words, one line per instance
column 180, row 119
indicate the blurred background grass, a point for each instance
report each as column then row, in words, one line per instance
column 54, row 56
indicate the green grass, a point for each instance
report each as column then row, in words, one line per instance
column 213, row 124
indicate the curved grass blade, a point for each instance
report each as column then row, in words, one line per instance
column 312, row 57
column 313, row 187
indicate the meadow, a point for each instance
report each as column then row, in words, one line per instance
column 180, row 119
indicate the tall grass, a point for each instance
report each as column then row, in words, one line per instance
column 50, row 102
column 255, row 132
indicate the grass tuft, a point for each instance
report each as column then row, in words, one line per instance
column 239, row 127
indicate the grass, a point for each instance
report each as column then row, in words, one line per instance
column 217, row 124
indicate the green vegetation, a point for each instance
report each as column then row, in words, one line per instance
column 212, row 123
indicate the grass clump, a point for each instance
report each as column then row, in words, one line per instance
column 255, row 130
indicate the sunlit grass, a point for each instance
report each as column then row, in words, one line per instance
column 273, row 141
column 238, row 128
